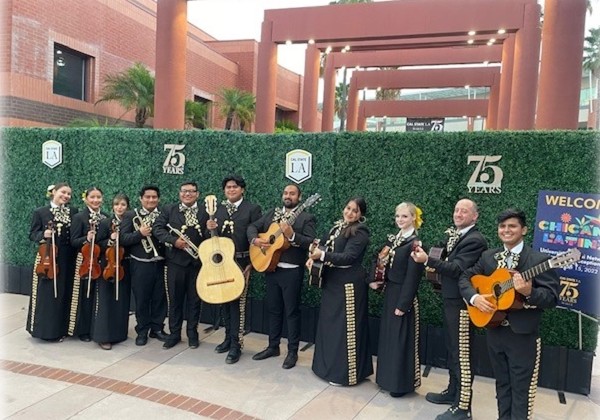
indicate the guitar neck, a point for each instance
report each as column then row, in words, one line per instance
column 527, row 275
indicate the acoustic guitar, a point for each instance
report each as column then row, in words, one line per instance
column 266, row 259
column 315, row 277
column 501, row 287
column 436, row 253
column 220, row 279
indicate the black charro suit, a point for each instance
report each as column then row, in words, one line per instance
column 147, row 273
column 462, row 256
column 284, row 285
column 182, row 269
column 234, row 226
column 514, row 348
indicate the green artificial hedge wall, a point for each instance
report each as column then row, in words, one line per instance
column 429, row 169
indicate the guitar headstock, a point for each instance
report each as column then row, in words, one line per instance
column 312, row 200
column 210, row 202
column 566, row 258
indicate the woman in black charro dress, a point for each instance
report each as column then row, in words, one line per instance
column 342, row 341
column 48, row 315
column 110, row 319
column 82, row 302
column 398, row 367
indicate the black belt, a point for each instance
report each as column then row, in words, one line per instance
column 242, row 254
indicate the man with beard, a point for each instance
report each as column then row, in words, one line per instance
column 462, row 248
column 231, row 221
column 285, row 283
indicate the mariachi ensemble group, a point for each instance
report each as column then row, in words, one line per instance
column 174, row 258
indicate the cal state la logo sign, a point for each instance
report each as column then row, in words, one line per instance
column 298, row 165
column 51, row 153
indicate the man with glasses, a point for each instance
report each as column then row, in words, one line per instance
column 179, row 227
column 231, row 220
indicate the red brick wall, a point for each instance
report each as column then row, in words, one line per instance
column 116, row 33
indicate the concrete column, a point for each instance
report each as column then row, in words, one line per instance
column 508, row 54
column 492, row 116
column 470, row 123
column 361, row 124
column 328, row 95
column 171, row 47
column 525, row 77
column 560, row 70
column 352, row 104
column 311, row 89
column 592, row 121
column 266, row 81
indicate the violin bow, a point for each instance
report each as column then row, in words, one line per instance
column 93, row 225
column 117, row 264
column 54, row 261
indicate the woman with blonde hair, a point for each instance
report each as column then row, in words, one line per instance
column 398, row 367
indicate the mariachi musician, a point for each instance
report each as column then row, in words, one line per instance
column 147, row 266
column 110, row 319
column 87, row 266
column 48, row 314
column 231, row 221
column 180, row 228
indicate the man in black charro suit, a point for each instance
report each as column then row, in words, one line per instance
column 285, row 283
column 182, row 268
column 514, row 346
column 463, row 247
column 231, row 221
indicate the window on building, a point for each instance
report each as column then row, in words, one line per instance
column 202, row 113
column 71, row 73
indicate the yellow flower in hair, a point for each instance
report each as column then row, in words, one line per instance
column 83, row 195
column 49, row 190
column 418, row 217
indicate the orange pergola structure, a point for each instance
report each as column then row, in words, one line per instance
column 412, row 57
column 398, row 79
column 408, row 24
column 427, row 24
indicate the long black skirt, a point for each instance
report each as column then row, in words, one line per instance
column 110, row 319
column 342, row 340
column 48, row 316
column 82, row 304
column 398, row 368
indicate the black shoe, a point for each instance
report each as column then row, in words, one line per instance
column 266, row 353
column 171, row 342
column 193, row 342
column 290, row 360
column 85, row 337
column 141, row 340
column 454, row 413
column 397, row 394
column 160, row 335
column 443, row 397
column 233, row 356
column 223, row 347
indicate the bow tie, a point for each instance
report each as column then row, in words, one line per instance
column 144, row 212
column 231, row 207
column 507, row 259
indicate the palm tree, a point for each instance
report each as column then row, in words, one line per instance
column 237, row 107
column 196, row 114
column 133, row 89
column 591, row 62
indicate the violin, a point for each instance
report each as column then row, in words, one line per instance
column 47, row 252
column 382, row 260
column 114, row 257
column 90, row 267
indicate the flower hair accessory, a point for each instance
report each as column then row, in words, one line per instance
column 418, row 217
column 83, row 195
column 49, row 190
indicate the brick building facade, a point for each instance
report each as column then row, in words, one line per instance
column 83, row 41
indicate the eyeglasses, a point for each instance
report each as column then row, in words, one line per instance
column 188, row 191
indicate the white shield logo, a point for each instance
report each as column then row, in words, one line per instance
column 298, row 165
column 51, row 153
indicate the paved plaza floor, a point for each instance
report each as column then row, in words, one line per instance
column 77, row 380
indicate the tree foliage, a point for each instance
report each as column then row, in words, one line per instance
column 237, row 107
column 133, row 89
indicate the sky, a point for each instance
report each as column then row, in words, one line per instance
column 242, row 19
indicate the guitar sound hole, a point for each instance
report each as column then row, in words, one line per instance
column 497, row 291
column 217, row 258
column 271, row 239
